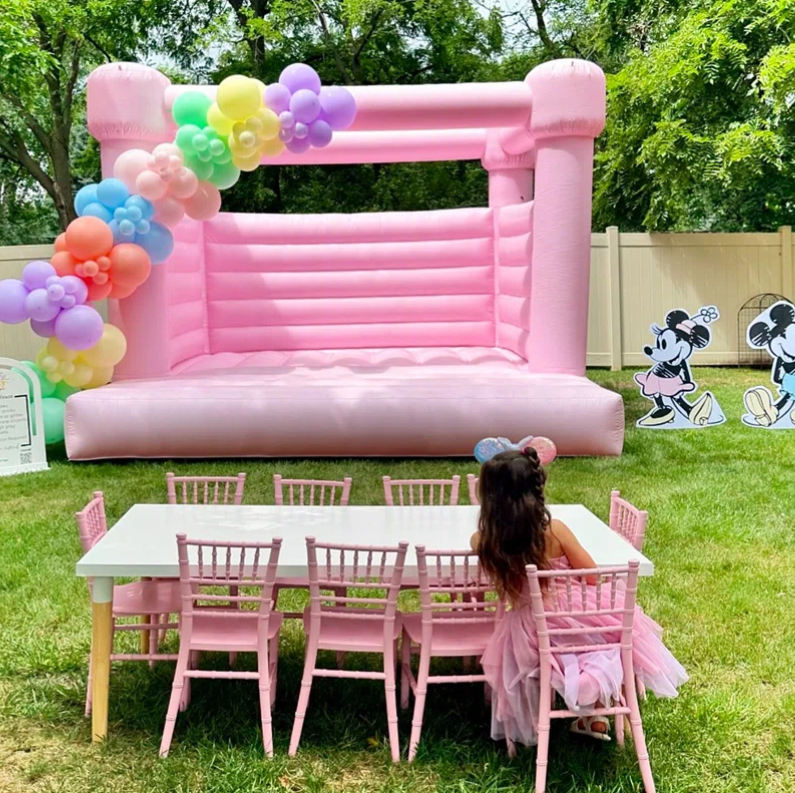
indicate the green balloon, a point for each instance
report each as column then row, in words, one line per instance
column 191, row 108
column 64, row 391
column 52, row 410
column 185, row 136
column 224, row 175
column 203, row 170
column 47, row 388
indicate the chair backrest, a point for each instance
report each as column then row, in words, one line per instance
column 562, row 597
column 421, row 492
column 472, row 485
column 91, row 522
column 452, row 584
column 205, row 489
column 370, row 569
column 237, row 566
column 627, row 520
column 306, row 489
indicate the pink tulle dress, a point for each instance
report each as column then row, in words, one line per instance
column 511, row 666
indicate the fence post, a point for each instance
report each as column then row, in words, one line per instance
column 614, row 259
column 785, row 234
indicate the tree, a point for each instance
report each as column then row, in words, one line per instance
column 48, row 46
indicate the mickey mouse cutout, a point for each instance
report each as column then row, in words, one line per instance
column 669, row 379
column 774, row 329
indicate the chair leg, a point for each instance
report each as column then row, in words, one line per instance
column 405, row 668
column 90, row 684
column 193, row 663
column 153, row 636
column 264, row 682
column 273, row 660
column 419, row 700
column 303, row 696
column 175, row 700
column 390, row 690
column 233, row 592
column 638, row 738
column 166, row 618
column 619, row 720
column 544, row 706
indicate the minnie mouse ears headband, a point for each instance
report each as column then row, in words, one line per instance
column 705, row 316
column 489, row 447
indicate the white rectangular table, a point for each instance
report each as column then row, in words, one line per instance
column 143, row 544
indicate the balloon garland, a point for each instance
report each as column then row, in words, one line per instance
column 124, row 223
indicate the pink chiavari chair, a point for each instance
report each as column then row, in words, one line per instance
column 306, row 489
column 205, row 489
column 208, row 624
column 455, row 620
column 559, row 597
column 364, row 622
column 421, row 492
column 627, row 520
column 147, row 599
column 472, row 486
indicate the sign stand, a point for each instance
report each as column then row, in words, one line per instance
column 21, row 421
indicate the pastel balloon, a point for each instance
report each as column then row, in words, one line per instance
column 337, row 106
column 286, row 135
column 277, row 97
column 12, row 301
column 191, row 107
column 158, row 242
column 272, row 148
column 79, row 328
column 52, row 412
column 270, row 124
column 36, row 273
column 43, row 329
column 286, row 119
column 300, row 130
column 298, row 145
column 204, row 203
column 97, row 210
column 320, row 134
column 85, row 196
column 218, row 121
column 112, row 193
column 60, row 242
column 63, row 263
column 130, row 265
column 185, row 183
column 201, row 170
column 88, row 238
column 247, row 164
column 545, row 448
column 238, row 97
column 129, row 165
column 79, row 376
column 47, row 388
column 62, row 390
column 150, row 185
column 101, row 376
column 305, row 106
column 108, row 351
column 300, row 76
column 223, row 176
column 39, row 306
column 168, row 211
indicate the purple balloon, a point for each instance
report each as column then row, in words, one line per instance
column 40, row 305
column 305, row 106
column 79, row 328
column 12, row 301
column 300, row 130
column 298, row 145
column 277, row 97
column 286, row 119
column 320, row 134
column 286, row 135
column 36, row 273
column 44, row 329
column 299, row 76
column 337, row 106
column 76, row 287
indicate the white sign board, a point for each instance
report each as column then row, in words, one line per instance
column 21, row 420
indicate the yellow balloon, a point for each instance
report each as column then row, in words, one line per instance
column 260, row 85
column 247, row 163
column 102, row 375
column 218, row 121
column 270, row 123
column 108, row 351
column 272, row 147
column 57, row 350
column 238, row 97
column 81, row 375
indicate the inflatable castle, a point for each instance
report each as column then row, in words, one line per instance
column 375, row 334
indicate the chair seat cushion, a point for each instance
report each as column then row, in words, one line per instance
column 450, row 636
column 219, row 632
column 342, row 631
column 147, row 597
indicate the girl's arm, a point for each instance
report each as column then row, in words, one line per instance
column 578, row 557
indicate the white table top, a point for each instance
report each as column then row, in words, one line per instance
column 143, row 542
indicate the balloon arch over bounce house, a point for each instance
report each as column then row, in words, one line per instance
column 399, row 334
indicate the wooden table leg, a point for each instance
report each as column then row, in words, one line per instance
column 102, row 612
column 145, row 620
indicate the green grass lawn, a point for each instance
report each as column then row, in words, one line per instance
column 720, row 534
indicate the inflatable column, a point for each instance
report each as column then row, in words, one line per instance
column 126, row 111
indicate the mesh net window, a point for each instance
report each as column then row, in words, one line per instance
column 749, row 311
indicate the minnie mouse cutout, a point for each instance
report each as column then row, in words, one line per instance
column 667, row 382
column 774, row 330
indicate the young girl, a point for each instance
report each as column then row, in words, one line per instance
column 516, row 529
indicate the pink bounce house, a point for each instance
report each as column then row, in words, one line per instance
column 381, row 334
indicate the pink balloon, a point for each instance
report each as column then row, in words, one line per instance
column 204, row 203
column 129, row 165
column 168, row 211
column 184, row 184
column 150, row 185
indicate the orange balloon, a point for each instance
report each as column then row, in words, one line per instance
column 63, row 262
column 60, row 242
column 88, row 237
column 129, row 265
column 98, row 291
column 120, row 291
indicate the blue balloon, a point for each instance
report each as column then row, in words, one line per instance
column 85, row 196
column 112, row 193
column 158, row 242
column 146, row 207
column 97, row 210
